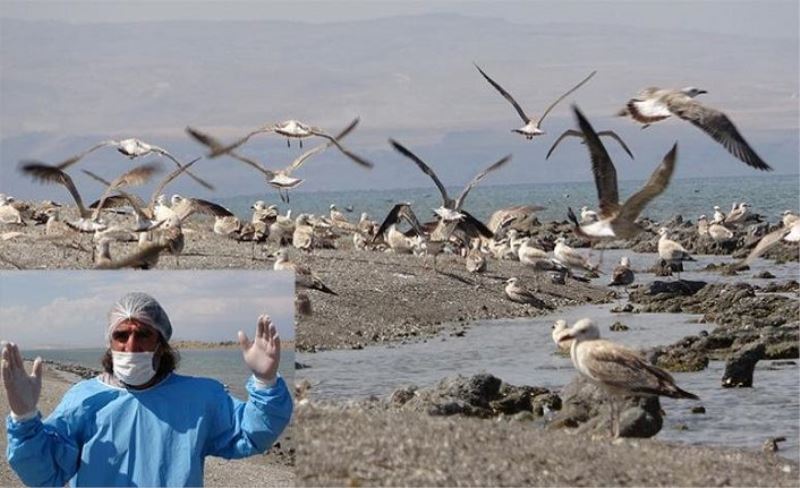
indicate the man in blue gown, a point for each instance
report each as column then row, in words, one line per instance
column 140, row 423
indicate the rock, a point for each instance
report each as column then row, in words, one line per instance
column 784, row 287
column 585, row 406
column 700, row 409
column 482, row 395
column 739, row 369
column 766, row 275
column 618, row 327
column 679, row 287
column 299, row 365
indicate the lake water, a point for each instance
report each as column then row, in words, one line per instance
column 769, row 194
column 521, row 352
column 224, row 365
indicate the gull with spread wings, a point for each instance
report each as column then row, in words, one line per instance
column 532, row 127
column 617, row 221
column 654, row 104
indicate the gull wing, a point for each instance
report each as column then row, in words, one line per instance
column 477, row 179
column 565, row 95
column 474, row 227
column 167, row 180
column 605, row 175
column 505, row 94
column 188, row 206
column 425, row 169
column 199, row 180
column 718, row 126
column 137, row 176
column 44, row 173
column 613, row 135
column 657, row 183
column 564, row 135
column 302, row 158
column 216, row 146
column 357, row 159
column 74, row 159
column 765, row 244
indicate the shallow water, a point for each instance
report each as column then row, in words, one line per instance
column 521, row 352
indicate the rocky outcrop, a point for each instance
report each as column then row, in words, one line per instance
column 739, row 368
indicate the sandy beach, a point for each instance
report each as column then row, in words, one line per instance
column 266, row 470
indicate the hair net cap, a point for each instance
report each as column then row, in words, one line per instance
column 142, row 308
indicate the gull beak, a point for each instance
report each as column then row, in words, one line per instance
column 566, row 337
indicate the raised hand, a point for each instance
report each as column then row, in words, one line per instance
column 263, row 354
column 22, row 389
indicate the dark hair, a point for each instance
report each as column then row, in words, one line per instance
column 168, row 359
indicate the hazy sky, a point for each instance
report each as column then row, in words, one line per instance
column 75, row 73
column 70, row 308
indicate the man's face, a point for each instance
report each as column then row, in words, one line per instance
column 133, row 336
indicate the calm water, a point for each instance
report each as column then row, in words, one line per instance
column 224, row 365
column 770, row 195
column 521, row 351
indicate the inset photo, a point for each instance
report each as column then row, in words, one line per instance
column 129, row 378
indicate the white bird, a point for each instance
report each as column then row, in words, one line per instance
column 536, row 258
column 617, row 369
column 292, row 129
column 789, row 218
column 532, row 127
column 670, row 251
column 719, row 216
column 519, row 217
column 738, row 215
column 560, row 328
column 303, row 276
column 588, row 216
column 132, row 148
column 702, row 225
column 280, row 179
column 769, row 241
column 719, row 232
column 654, row 104
column 519, row 294
column 9, row 214
column 571, row 258
column 618, row 220
column 475, row 259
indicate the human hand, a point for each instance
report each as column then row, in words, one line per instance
column 263, row 355
column 22, row 389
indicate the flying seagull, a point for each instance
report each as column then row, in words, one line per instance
column 617, row 221
column 132, row 148
column 579, row 134
column 280, row 179
column 654, row 104
column 532, row 127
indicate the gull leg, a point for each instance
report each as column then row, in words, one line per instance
column 288, row 142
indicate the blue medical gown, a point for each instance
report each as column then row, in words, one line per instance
column 100, row 435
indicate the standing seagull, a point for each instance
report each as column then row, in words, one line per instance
column 618, row 221
column 654, row 104
column 532, row 127
column 670, row 251
column 518, row 293
column 303, row 276
column 617, row 369
column 623, row 274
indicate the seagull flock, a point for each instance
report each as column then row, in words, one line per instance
column 158, row 225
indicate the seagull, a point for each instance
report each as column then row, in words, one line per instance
column 399, row 242
column 789, row 233
column 558, row 329
column 536, row 258
column 618, row 221
column 519, row 294
column 532, row 127
column 132, row 148
column 292, row 129
column 520, row 217
column 9, row 214
column 738, row 215
column 617, row 369
column 719, row 216
column 303, row 276
column 89, row 220
column 789, row 218
column 653, row 104
column 719, row 232
column 579, row 134
column 280, row 179
column 702, row 225
column 588, row 216
column 571, row 258
column 623, row 274
column 672, row 252
column 451, row 215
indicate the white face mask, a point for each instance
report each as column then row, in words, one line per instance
column 133, row 368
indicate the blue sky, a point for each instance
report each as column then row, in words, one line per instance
column 70, row 308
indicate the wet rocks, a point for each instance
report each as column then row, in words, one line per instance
column 739, row 368
column 764, row 275
column 585, row 407
column 481, row 395
column 618, row 327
